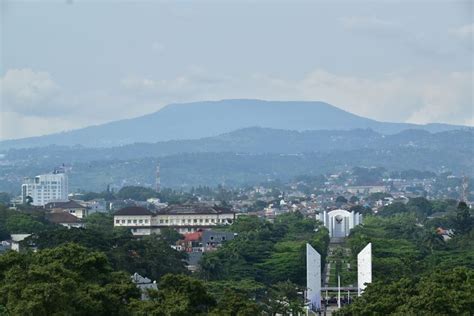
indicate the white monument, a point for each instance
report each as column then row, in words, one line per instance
column 364, row 268
column 313, row 278
column 340, row 222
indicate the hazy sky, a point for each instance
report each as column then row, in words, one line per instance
column 69, row 64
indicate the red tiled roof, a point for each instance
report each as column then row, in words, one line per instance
column 193, row 236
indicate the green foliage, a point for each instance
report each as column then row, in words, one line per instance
column 67, row 280
column 414, row 265
column 447, row 292
column 463, row 222
column 266, row 252
column 284, row 299
column 16, row 222
column 4, row 199
column 177, row 295
column 150, row 256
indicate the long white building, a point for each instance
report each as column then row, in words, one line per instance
column 45, row 188
column 182, row 218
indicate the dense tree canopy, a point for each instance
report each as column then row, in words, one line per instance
column 67, row 280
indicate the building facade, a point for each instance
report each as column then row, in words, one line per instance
column 339, row 222
column 182, row 218
column 45, row 188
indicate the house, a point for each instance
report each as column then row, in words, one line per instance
column 191, row 242
column 184, row 218
column 70, row 206
column 212, row 239
column 65, row 219
column 16, row 239
column 144, row 284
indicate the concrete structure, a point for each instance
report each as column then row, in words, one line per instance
column 339, row 222
column 313, row 278
column 364, row 268
column 158, row 179
column 184, row 218
column 45, row 188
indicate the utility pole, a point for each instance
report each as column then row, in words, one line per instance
column 338, row 291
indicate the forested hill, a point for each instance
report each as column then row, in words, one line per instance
column 211, row 118
column 242, row 157
column 260, row 141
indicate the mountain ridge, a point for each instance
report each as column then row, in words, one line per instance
column 196, row 120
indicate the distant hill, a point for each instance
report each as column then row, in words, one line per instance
column 249, row 155
column 211, row 118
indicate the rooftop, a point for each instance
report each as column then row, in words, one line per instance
column 133, row 210
column 63, row 205
column 62, row 217
column 194, row 209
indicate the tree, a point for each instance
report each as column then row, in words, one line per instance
column 432, row 240
column 463, row 222
column 284, row 299
column 354, row 199
column 340, row 199
column 171, row 236
column 236, row 304
column 177, row 295
column 23, row 224
column 444, row 292
column 5, row 199
column 67, row 280
column 150, row 256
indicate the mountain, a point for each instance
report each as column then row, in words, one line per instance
column 211, row 118
column 249, row 155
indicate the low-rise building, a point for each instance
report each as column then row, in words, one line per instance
column 184, row 218
column 65, row 219
column 70, row 206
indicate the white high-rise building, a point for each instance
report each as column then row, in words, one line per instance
column 46, row 188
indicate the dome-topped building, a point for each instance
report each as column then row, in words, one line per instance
column 340, row 222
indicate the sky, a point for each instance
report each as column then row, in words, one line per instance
column 71, row 64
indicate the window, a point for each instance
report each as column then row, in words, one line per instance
column 195, row 220
column 134, row 221
column 223, row 238
column 117, row 221
column 123, row 221
column 140, row 221
column 212, row 220
column 129, row 221
column 146, row 221
column 207, row 220
column 200, row 221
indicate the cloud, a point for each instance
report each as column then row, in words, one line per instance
column 410, row 96
column 465, row 32
column 403, row 97
column 27, row 91
column 370, row 23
